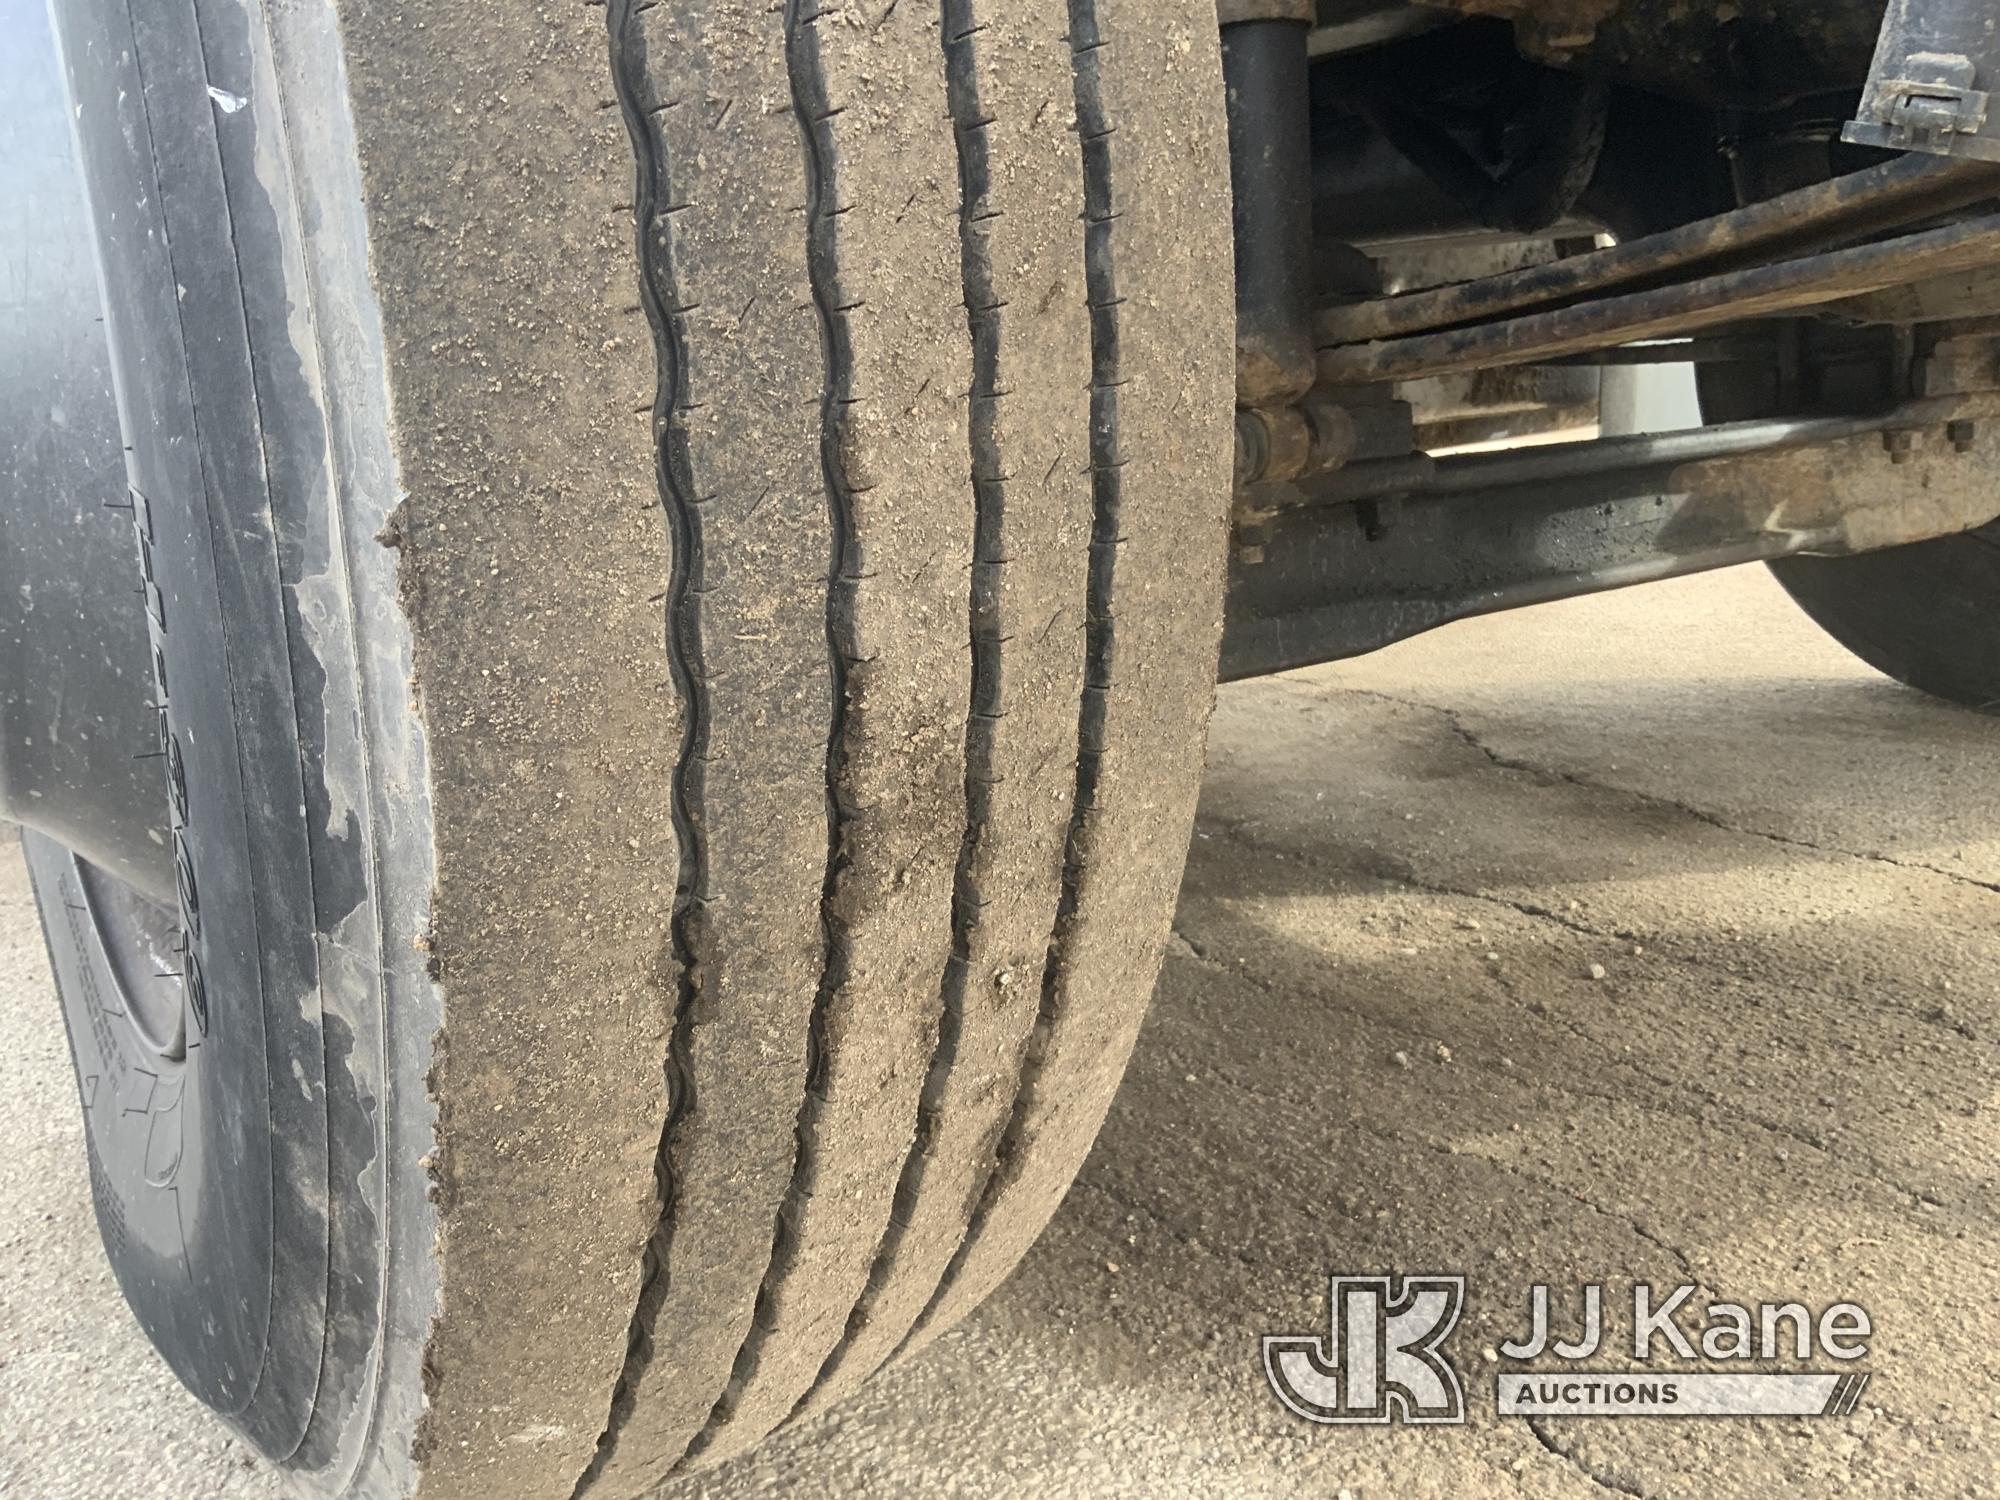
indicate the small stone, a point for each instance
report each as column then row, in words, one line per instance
column 1507, row 1063
column 1443, row 1053
column 1468, row 924
column 1111, row 1266
column 1490, row 1356
column 1492, row 958
column 1638, row 950
column 1400, row 1059
column 1598, row 971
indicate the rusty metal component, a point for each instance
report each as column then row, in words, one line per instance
column 1356, row 25
column 1235, row 12
column 1336, row 435
column 1932, row 85
column 1735, row 296
column 1755, row 55
column 1284, row 442
column 1959, row 361
column 1967, row 294
column 1827, row 214
column 1498, row 531
column 1266, row 71
column 1493, row 406
column 1316, row 437
column 1451, row 398
column 1553, row 31
column 1275, row 444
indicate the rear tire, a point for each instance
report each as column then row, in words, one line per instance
column 747, row 705
column 1927, row 615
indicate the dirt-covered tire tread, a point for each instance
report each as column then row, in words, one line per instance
column 1146, row 109
column 982, row 418
column 858, row 1142
column 1010, row 91
column 737, row 422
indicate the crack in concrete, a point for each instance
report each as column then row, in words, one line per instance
column 1200, row 955
column 1860, row 1164
column 1867, row 1167
column 1663, row 947
column 1455, row 721
column 1608, row 1482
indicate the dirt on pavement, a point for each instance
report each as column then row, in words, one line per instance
column 1641, row 938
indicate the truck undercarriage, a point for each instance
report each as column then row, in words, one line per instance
column 1502, row 209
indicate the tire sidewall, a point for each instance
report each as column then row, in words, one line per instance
column 245, row 1191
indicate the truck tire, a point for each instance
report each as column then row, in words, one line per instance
column 1927, row 615
column 681, row 690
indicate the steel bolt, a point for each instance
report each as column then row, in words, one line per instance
column 1964, row 434
column 1901, row 445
